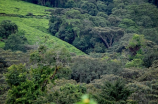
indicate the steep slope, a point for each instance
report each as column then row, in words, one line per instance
column 33, row 19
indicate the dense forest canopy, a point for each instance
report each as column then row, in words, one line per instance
column 85, row 24
column 118, row 39
column 62, row 3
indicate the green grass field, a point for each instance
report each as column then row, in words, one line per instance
column 35, row 28
column 21, row 7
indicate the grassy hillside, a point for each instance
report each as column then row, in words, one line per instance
column 35, row 28
column 20, row 7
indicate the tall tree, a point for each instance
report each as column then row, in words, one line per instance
column 108, row 35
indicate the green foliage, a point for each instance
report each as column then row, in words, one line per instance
column 24, row 93
column 7, row 28
column 16, row 42
column 137, row 40
column 66, row 34
column 151, row 34
column 68, row 94
column 73, row 14
column 36, row 26
column 70, row 4
column 16, row 74
column 142, row 14
column 86, row 100
column 87, row 24
column 108, row 35
column 21, row 89
column 2, row 44
column 99, row 21
column 102, row 14
column 113, row 92
column 30, row 25
column 129, row 25
column 149, row 58
column 134, row 63
column 136, row 44
column 20, row 7
column 3, row 63
column 102, row 7
column 27, row 85
column 86, row 69
column 90, row 8
column 56, row 56
column 82, row 70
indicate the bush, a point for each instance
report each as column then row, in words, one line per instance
column 7, row 28
column 149, row 58
column 16, row 42
column 134, row 63
column 67, row 94
column 29, row 14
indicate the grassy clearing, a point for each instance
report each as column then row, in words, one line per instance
column 36, row 31
column 2, row 44
column 21, row 7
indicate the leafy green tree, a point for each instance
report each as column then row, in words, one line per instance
column 129, row 25
column 66, row 34
column 19, row 85
column 108, row 35
column 90, row 8
column 70, row 4
column 7, row 28
column 102, row 7
column 149, row 58
column 151, row 34
column 110, row 6
column 16, row 42
column 80, row 43
column 54, row 24
column 136, row 43
column 99, row 21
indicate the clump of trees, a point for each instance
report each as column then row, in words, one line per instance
column 86, row 69
column 87, row 33
column 94, row 26
column 14, row 39
column 26, row 85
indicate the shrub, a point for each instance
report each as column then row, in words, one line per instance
column 29, row 14
column 16, row 42
column 7, row 28
column 68, row 94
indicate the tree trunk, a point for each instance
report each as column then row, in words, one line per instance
column 105, row 41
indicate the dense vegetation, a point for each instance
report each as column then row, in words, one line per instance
column 95, row 26
column 119, row 38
